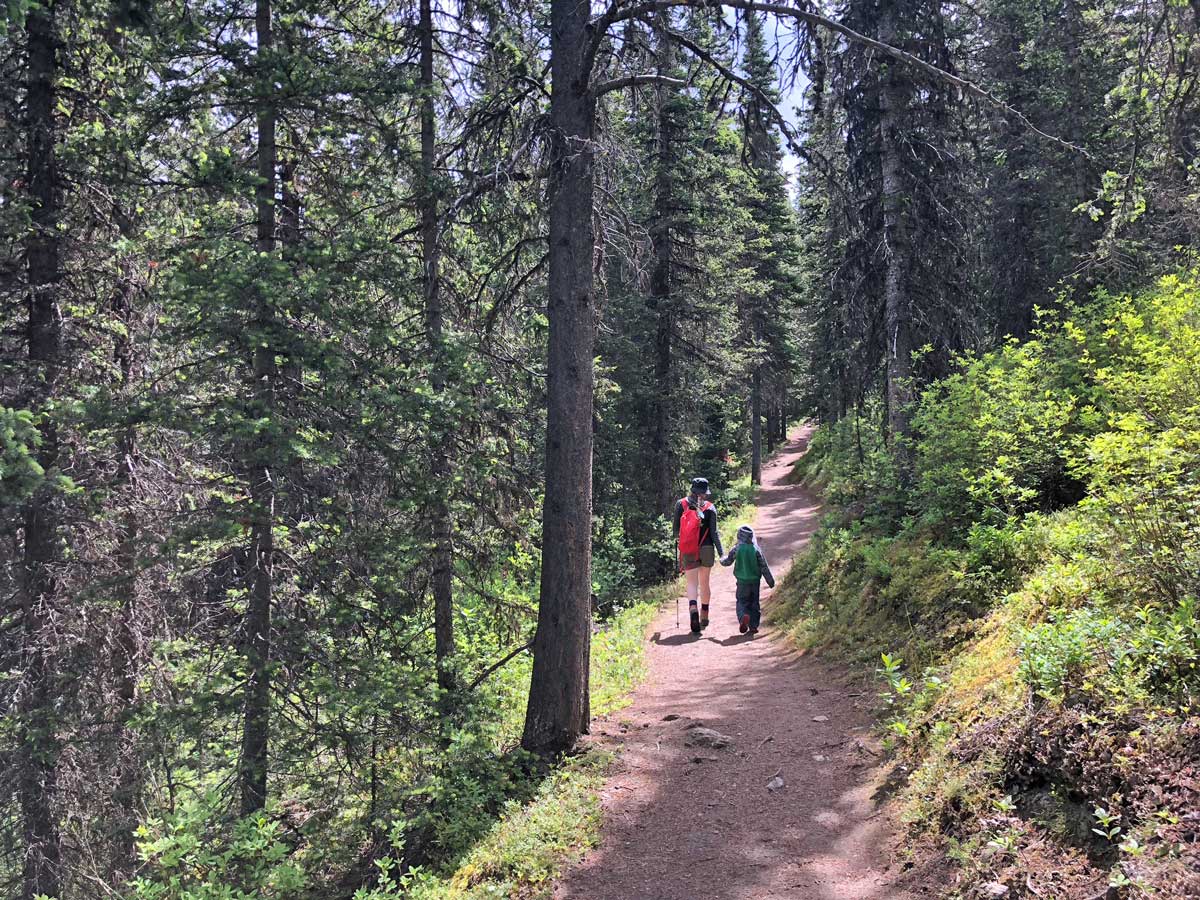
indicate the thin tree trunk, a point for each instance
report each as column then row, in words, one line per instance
column 772, row 424
column 125, row 660
column 662, row 244
column 439, row 512
column 558, row 710
column 756, row 427
column 37, row 747
column 893, row 103
column 257, row 726
column 664, row 470
column 126, row 657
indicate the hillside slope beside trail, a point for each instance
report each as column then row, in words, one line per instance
column 685, row 821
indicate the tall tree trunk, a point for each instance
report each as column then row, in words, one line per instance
column 558, row 710
column 893, row 102
column 256, row 730
column 125, row 660
column 772, row 423
column 662, row 244
column 756, row 426
column 439, row 512
column 37, row 747
column 126, row 657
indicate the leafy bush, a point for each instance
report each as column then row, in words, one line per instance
column 1145, row 468
column 186, row 857
column 1064, row 652
column 994, row 440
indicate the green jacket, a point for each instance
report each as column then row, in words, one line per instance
column 748, row 564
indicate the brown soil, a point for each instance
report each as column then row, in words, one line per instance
column 691, row 822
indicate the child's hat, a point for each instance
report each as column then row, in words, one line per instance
column 745, row 535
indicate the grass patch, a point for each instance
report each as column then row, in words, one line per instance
column 619, row 651
column 527, row 848
column 532, row 844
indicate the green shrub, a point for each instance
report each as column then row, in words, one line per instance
column 853, row 468
column 1145, row 468
column 1166, row 646
column 1061, row 654
column 186, row 857
column 995, row 440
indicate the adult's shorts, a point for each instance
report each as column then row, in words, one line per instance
column 707, row 557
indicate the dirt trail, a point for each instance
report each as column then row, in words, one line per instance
column 691, row 823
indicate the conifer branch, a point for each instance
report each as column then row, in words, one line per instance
column 617, row 84
column 616, row 13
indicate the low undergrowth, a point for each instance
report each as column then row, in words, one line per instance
column 1027, row 590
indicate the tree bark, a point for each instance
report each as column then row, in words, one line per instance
column 37, row 747
column 662, row 245
column 439, row 512
column 772, row 424
column 125, row 660
column 756, row 427
column 257, row 725
column 893, row 103
column 557, row 712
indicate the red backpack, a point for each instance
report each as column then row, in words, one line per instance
column 691, row 524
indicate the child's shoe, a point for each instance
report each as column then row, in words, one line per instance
column 754, row 631
column 744, row 623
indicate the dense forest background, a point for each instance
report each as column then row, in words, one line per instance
column 283, row 322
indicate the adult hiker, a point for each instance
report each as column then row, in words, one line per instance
column 699, row 542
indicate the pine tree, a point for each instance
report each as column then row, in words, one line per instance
column 771, row 245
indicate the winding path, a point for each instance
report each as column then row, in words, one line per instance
column 692, row 823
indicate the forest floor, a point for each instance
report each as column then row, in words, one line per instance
column 794, row 807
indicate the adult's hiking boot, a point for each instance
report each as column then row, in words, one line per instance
column 694, row 615
column 744, row 623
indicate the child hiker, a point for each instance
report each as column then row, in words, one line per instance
column 695, row 522
column 749, row 565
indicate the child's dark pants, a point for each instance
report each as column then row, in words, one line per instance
column 747, row 602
